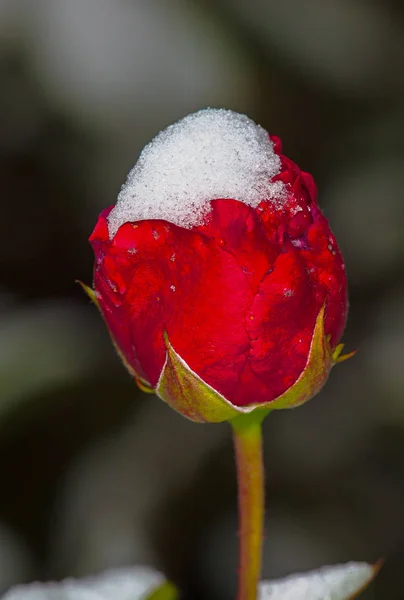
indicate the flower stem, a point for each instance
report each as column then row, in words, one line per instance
column 247, row 436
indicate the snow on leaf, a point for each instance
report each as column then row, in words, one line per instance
column 134, row 583
column 338, row 582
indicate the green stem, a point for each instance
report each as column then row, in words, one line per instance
column 247, row 436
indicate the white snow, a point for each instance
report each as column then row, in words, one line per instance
column 213, row 153
column 339, row 582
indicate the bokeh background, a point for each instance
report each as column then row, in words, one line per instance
column 94, row 474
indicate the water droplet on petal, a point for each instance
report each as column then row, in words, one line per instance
column 111, row 285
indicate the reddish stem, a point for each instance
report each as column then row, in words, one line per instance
column 247, row 435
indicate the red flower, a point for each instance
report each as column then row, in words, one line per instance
column 233, row 302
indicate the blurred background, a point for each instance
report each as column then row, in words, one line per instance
column 95, row 474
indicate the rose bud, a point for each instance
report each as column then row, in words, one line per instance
column 217, row 275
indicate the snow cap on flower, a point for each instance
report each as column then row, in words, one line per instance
column 211, row 154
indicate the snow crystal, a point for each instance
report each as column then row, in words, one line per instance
column 213, row 153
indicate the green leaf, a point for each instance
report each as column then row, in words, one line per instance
column 167, row 591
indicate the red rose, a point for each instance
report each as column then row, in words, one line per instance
column 247, row 302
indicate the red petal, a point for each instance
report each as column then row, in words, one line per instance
column 277, row 142
column 326, row 269
column 280, row 324
column 100, row 233
column 238, row 229
column 176, row 280
column 310, row 186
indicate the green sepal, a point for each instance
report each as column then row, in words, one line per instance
column 92, row 294
column 188, row 394
column 337, row 357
